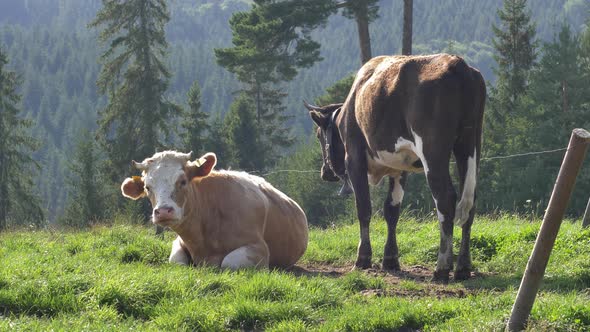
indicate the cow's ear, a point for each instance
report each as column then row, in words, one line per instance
column 202, row 166
column 133, row 187
column 320, row 119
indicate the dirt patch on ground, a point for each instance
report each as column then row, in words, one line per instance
column 421, row 275
column 426, row 292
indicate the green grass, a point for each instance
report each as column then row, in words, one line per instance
column 115, row 278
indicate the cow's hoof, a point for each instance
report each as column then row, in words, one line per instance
column 363, row 263
column 462, row 274
column 391, row 265
column 441, row 276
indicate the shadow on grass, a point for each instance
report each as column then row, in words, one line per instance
column 557, row 284
column 318, row 271
column 478, row 281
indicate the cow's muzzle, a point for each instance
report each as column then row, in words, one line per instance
column 164, row 214
column 328, row 175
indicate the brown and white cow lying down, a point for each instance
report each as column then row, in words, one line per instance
column 222, row 218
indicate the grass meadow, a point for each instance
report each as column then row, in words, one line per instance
column 116, row 277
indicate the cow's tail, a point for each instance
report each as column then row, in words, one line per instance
column 467, row 148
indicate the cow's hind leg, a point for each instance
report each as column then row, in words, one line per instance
column 391, row 211
column 463, row 270
column 435, row 158
column 253, row 255
column 467, row 160
column 444, row 198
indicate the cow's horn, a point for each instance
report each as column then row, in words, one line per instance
column 140, row 166
column 186, row 156
column 312, row 107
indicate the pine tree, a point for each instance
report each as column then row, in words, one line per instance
column 243, row 136
column 217, row 141
column 561, row 82
column 516, row 46
column 559, row 93
column 516, row 53
column 271, row 42
column 86, row 192
column 17, row 203
column 363, row 12
column 338, row 92
column 508, row 112
column 135, row 78
column 194, row 123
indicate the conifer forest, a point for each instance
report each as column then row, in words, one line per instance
column 87, row 86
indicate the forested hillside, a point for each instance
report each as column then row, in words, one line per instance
column 56, row 54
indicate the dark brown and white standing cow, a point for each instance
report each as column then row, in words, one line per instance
column 223, row 218
column 408, row 114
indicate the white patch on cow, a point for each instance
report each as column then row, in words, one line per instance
column 178, row 255
column 242, row 257
column 401, row 159
column 445, row 258
column 161, row 179
column 418, row 149
column 468, row 196
column 392, row 163
column 440, row 216
column 398, row 192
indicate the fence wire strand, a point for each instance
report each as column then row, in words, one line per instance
column 482, row 160
column 523, row 154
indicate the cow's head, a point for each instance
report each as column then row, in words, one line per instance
column 167, row 179
column 327, row 133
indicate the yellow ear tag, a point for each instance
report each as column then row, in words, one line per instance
column 200, row 162
column 136, row 178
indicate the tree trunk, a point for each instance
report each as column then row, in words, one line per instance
column 564, row 95
column 362, row 22
column 407, row 34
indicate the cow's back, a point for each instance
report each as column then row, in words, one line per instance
column 286, row 231
column 235, row 208
column 395, row 95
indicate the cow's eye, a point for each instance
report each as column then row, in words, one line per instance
column 148, row 188
column 183, row 183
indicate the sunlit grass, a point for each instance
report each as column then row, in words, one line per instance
column 115, row 278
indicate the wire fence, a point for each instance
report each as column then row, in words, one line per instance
column 523, row 154
column 485, row 159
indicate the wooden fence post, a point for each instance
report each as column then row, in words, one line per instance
column 586, row 220
column 560, row 196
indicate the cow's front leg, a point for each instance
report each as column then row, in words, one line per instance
column 357, row 173
column 391, row 211
column 253, row 255
column 178, row 254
